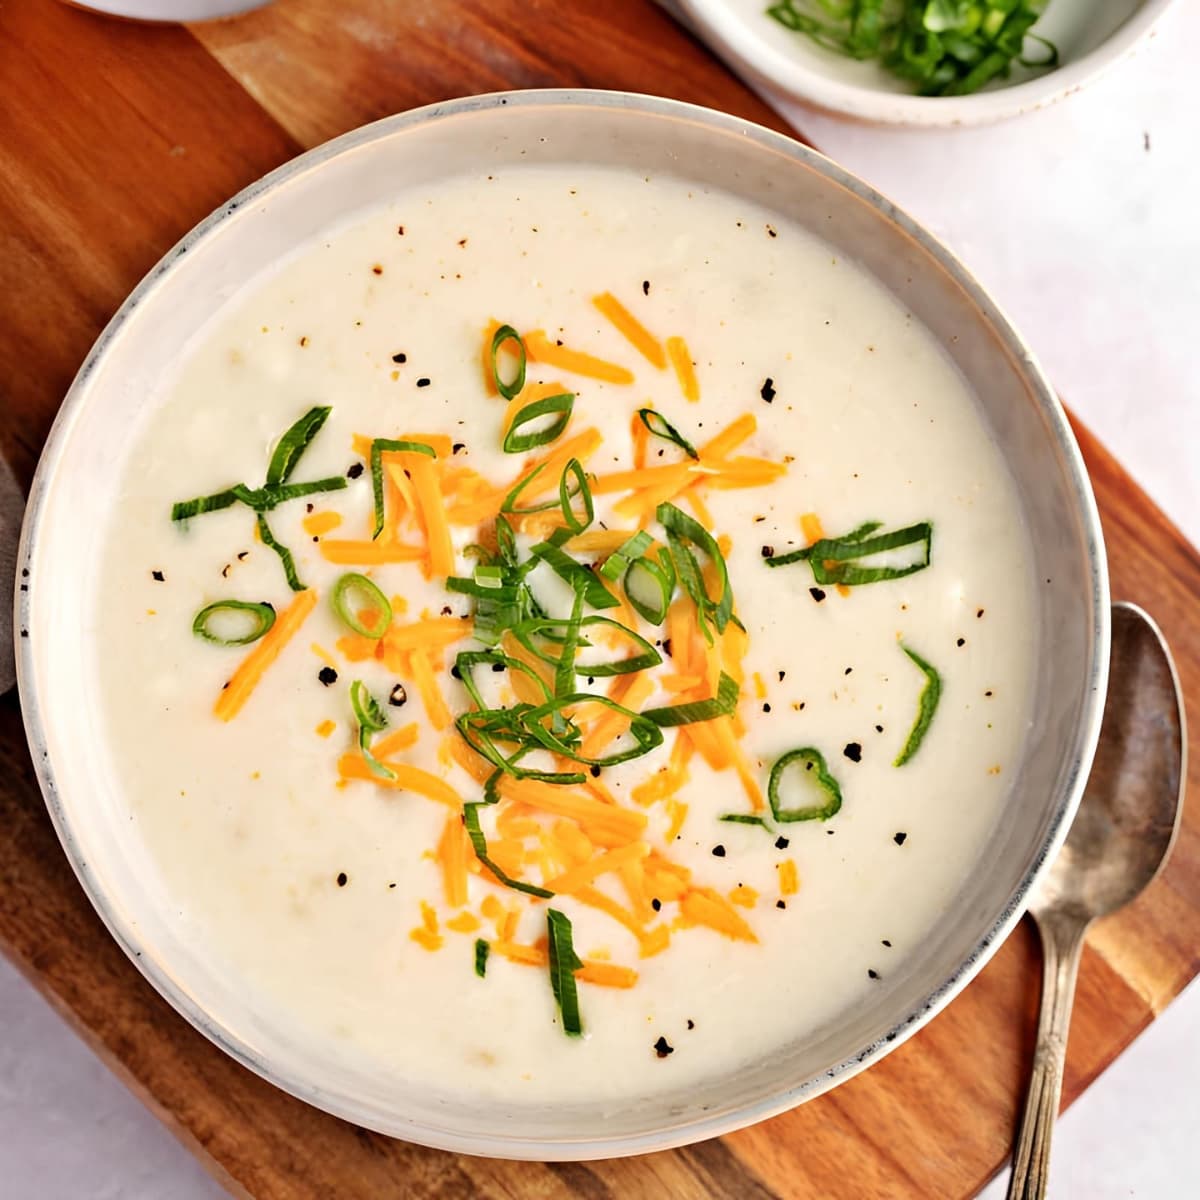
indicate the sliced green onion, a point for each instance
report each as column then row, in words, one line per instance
column 482, row 950
column 564, row 675
column 564, row 962
column 182, row 510
column 661, row 427
column 618, row 561
column 565, row 495
column 285, row 555
column 561, row 404
column 836, row 560
column 506, row 542
column 509, row 504
column 371, row 719
column 682, row 530
column 931, row 693
column 479, row 844
column 548, row 626
column 506, row 333
column 351, row 595
column 379, row 447
column 291, row 446
column 477, row 728
column 259, row 500
column 468, row 660
column 743, row 819
column 811, row 767
column 720, row 705
column 566, row 568
column 646, row 734
column 648, row 589
column 262, row 615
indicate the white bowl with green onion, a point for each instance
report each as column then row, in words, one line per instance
column 926, row 62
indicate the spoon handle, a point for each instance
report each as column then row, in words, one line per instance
column 1062, row 943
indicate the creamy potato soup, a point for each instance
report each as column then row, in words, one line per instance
column 566, row 635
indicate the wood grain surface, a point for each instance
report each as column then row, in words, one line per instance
column 115, row 139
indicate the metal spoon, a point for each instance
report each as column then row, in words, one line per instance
column 1120, row 839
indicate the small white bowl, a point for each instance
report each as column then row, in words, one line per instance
column 1090, row 36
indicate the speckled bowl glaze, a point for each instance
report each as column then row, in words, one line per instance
column 1091, row 36
column 355, row 173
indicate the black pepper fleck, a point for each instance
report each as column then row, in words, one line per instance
column 768, row 552
column 718, row 851
column 853, row 751
column 900, row 838
column 781, row 904
column 878, row 728
column 423, row 381
column 398, row 697
column 817, row 594
column 497, row 668
column 961, row 642
column 354, row 471
column 656, row 904
column 782, row 674
column 595, row 769
column 979, row 614
column 988, row 693
column 328, row 676
column 342, row 879
column 848, row 670
column 667, row 647
column 767, row 391
column 458, row 447
column 766, row 708
column 885, row 942
column 400, row 358
column 691, row 1024
column 645, row 287
column 663, row 1048
column 455, row 671
column 781, row 843
column 157, row 576
column 872, row 974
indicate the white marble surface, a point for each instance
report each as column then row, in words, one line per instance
column 1082, row 219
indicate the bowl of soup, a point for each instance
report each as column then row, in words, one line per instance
column 560, row 624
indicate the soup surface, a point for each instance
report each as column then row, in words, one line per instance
column 302, row 796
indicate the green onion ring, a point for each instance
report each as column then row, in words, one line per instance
column 506, row 333
column 518, row 443
column 264, row 616
column 812, row 761
column 665, row 430
column 352, row 585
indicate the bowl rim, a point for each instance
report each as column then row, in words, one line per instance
column 500, row 1144
column 731, row 34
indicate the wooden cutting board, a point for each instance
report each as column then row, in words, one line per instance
column 114, row 140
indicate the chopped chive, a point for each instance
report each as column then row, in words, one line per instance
column 836, row 560
column 482, row 950
column 565, row 495
column 566, row 568
column 648, row 589
column 743, row 819
column 468, row 660
column 262, row 618
column 931, row 693
column 564, row 962
column 285, row 555
column 509, row 504
column 559, row 406
column 379, row 447
column 477, row 729
column 564, row 675
column 618, row 562
column 371, row 719
column 479, row 844
column 720, row 705
column 661, row 427
column 810, row 764
column 642, row 728
column 506, row 333
column 683, row 532
column 353, row 594
column 527, row 631
column 292, row 445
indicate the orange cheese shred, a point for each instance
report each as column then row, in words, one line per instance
column 631, row 329
column 703, row 906
column 350, row 552
column 407, row 779
column 606, row 974
column 399, row 739
column 319, row 523
column 789, row 881
column 612, row 860
column 265, row 651
column 452, row 856
column 685, row 371
column 431, row 696
column 541, row 349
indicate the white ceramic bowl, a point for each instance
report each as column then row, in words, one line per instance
column 1091, row 35
column 77, row 481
